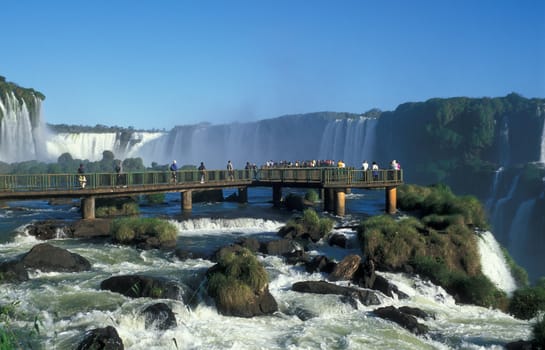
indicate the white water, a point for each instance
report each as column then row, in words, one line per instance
column 67, row 304
column 493, row 263
column 19, row 141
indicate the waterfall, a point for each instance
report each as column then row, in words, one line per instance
column 351, row 140
column 82, row 145
column 493, row 263
column 542, row 155
column 498, row 212
column 490, row 201
column 520, row 236
column 19, row 139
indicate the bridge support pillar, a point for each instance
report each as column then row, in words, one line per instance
column 277, row 195
column 329, row 200
column 187, row 201
column 391, row 200
column 243, row 194
column 88, row 208
column 340, row 203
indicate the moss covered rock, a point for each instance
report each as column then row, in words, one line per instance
column 238, row 283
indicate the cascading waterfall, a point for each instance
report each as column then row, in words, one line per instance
column 352, row 140
column 492, row 198
column 493, row 263
column 498, row 214
column 542, row 156
column 19, row 140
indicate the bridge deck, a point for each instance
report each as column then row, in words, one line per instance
column 36, row 186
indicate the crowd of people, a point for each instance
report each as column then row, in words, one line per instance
column 270, row 164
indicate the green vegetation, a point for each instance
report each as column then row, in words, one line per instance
column 310, row 223
column 11, row 338
column 438, row 243
column 127, row 230
column 236, row 277
column 519, row 274
column 539, row 331
column 527, row 302
column 312, row 196
column 30, row 97
column 440, row 208
column 108, row 207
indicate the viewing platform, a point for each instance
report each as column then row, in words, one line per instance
column 333, row 183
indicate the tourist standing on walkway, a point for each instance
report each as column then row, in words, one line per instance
column 374, row 168
column 202, row 171
column 81, row 177
column 230, row 171
column 173, row 171
column 118, row 171
column 365, row 168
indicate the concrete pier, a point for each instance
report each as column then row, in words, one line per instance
column 391, row 200
column 187, row 201
column 88, row 207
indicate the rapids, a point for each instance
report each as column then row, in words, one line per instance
column 67, row 304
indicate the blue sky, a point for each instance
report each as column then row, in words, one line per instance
column 158, row 64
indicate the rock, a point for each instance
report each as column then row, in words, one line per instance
column 238, row 283
column 277, row 247
column 159, row 316
column 346, row 269
column 366, row 297
column 406, row 321
column 339, row 240
column 101, row 339
column 296, row 257
column 139, row 286
column 252, row 244
column 522, row 345
column 45, row 257
column 92, row 228
column 416, row 312
column 12, row 271
column 320, row 263
column 389, row 289
column 49, row 229
column 365, row 276
column 207, row 196
column 183, row 254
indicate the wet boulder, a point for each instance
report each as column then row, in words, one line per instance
column 345, row 269
column 403, row 319
column 139, row 286
column 12, row 271
column 159, row 316
column 49, row 229
column 46, row 257
column 339, row 240
column 366, row 297
column 320, row 263
column 277, row 247
column 105, row 338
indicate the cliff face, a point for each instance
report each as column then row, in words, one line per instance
column 20, row 135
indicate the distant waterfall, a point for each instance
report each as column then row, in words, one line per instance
column 19, row 138
column 542, row 156
column 352, row 140
column 519, row 233
column 498, row 212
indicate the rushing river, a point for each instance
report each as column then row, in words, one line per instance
column 65, row 305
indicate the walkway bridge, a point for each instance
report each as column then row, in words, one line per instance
column 332, row 183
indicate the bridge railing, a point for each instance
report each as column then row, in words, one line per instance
column 324, row 176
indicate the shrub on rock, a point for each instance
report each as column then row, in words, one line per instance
column 152, row 232
column 309, row 226
column 239, row 285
